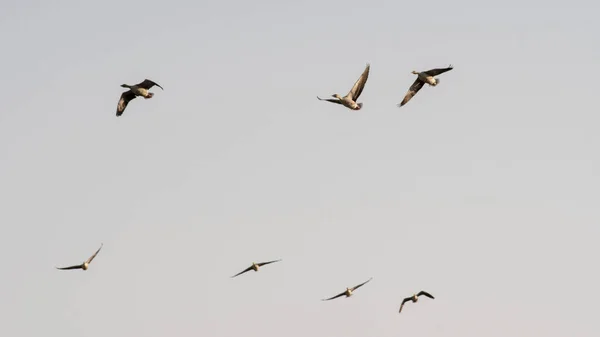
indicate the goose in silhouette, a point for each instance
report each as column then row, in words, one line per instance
column 348, row 292
column 140, row 89
column 422, row 78
column 349, row 101
column 255, row 267
column 84, row 265
column 414, row 298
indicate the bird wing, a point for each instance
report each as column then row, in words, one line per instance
column 360, row 84
column 79, row 266
column 96, row 253
column 413, row 90
column 147, row 84
column 362, row 284
column 334, row 297
column 437, row 71
column 404, row 301
column 123, row 101
column 426, row 294
column 243, row 271
column 332, row 100
column 263, row 263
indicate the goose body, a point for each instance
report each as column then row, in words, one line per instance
column 422, row 78
column 137, row 90
column 350, row 100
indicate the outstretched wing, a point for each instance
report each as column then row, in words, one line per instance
column 426, row 294
column 360, row 84
column 404, row 301
column 96, row 253
column 362, row 284
column 437, row 71
column 123, row 101
column 332, row 100
column 147, row 84
column 413, row 90
column 79, row 266
column 264, row 263
column 243, row 271
column 334, row 297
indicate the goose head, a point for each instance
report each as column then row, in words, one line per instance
column 125, row 86
column 415, row 72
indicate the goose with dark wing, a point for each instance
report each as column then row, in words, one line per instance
column 348, row 292
column 414, row 298
column 349, row 101
column 255, row 267
column 85, row 265
column 422, row 78
column 140, row 89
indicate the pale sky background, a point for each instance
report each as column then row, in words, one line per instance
column 482, row 190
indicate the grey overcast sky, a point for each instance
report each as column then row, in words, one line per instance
column 483, row 190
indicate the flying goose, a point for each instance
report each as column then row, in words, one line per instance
column 84, row 265
column 255, row 267
column 140, row 89
column 349, row 101
column 414, row 298
column 348, row 292
column 422, row 78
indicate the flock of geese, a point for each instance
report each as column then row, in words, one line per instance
column 349, row 101
column 255, row 266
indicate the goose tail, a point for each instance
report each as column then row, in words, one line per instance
column 360, row 105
